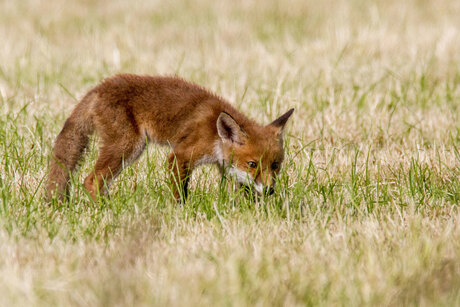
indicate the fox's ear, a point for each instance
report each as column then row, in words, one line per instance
column 280, row 122
column 229, row 130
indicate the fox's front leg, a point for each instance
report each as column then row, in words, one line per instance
column 180, row 168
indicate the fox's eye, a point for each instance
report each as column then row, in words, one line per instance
column 252, row 164
column 275, row 165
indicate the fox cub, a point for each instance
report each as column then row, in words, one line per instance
column 200, row 127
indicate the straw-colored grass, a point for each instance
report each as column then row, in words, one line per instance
column 366, row 209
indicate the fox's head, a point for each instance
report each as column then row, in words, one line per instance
column 253, row 154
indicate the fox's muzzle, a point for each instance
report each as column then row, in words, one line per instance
column 267, row 183
column 269, row 190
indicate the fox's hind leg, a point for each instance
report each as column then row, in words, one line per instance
column 112, row 159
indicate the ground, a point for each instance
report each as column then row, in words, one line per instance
column 366, row 209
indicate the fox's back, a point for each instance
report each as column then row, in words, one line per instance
column 147, row 93
column 162, row 106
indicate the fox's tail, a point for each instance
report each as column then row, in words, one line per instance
column 69, row 147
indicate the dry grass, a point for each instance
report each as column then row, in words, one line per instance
column 367, row 206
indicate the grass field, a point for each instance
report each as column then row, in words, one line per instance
column 366, row 209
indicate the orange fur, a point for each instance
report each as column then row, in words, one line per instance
column 200, row 127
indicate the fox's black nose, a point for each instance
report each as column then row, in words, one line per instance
column 269, row 190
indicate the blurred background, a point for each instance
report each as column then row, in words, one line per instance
column 245, row 50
